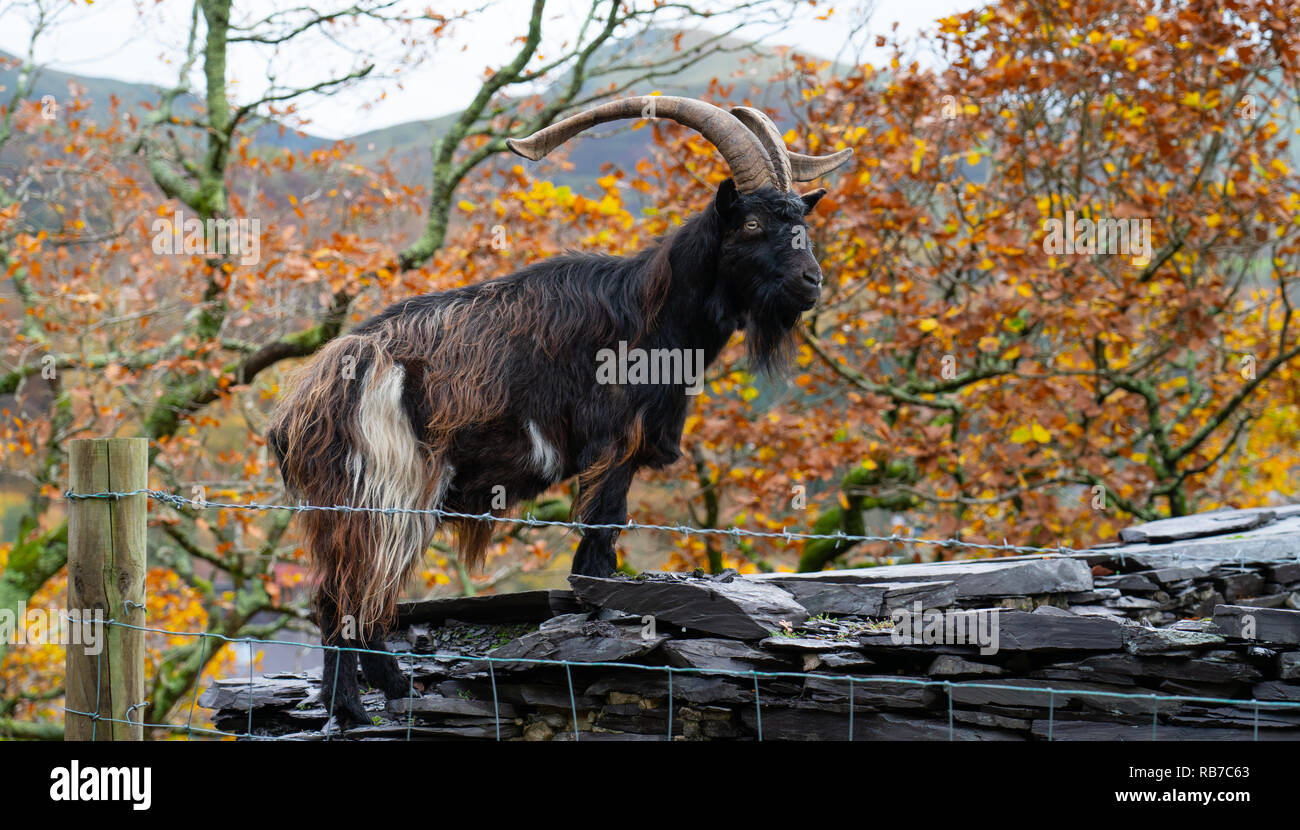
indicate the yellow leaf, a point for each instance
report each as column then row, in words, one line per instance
column 928, row 324
column 917, row 154
column 1151, row 23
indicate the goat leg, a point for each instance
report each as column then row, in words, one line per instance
column 340, row 693
column 596, row 555
column 381, row 670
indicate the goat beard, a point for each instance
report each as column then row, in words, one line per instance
column 769, row 337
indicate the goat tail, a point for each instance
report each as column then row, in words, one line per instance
column 343, row 438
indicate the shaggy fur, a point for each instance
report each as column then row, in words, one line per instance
column 441, row 398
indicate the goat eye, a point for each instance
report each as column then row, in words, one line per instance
column 751, row 225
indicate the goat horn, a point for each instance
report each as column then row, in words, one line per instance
column 770, row 137
column 795, row 166
column 806, row 168
column 751, row 166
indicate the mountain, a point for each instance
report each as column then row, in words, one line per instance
column 409, row 143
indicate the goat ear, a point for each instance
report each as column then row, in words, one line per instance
column 727, row 199
column 811, row 199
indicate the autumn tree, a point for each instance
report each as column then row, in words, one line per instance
column 970, row 372
column 115, row 326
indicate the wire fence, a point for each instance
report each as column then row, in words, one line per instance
column 1054, row 693
column 754, row 676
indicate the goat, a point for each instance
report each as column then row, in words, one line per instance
column 471, row 398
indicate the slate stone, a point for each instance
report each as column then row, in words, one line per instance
column 720, row 654
column 842, row 599
column 1272, row 625
column 1128, row 582
column 1238, row 585
column 1242, row 717
column 1018, row 631
column 575, row 639
column 1176, row 575
column 1052, row 611
column 234, row 693
column 1033, row 692
column 949, row 665
column 1203, row 626
column 433, row 705
column 742, row 608
column 1132, row 603
column 845, row 660
column 1288, row 665
column 792, row 724
column 1265, row 601
column 399, row 732
column 636, row 720
column 517, row 607
column 686, row 688
column 1284, row 572
column 1202, row 524
column 882, row 640
column 897, row 693
column 1181, row 688
column 981, row 578
column 800, row 644
column 1139, row 639
column 1093, row 596
column 906, row 595
column 588, row 737
column 990, row 719
column 1110, row 731
column 890, row 727
column 1098, row 611
column 1081, row 674
column 1277, row 690
column 1210, row 668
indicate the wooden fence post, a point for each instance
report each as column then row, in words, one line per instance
column 106, row 571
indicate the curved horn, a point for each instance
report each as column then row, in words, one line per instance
column 751, row 167
column 770, row 137
column 795, row 166
column 806, row 168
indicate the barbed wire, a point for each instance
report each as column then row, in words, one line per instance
column 736, row 533
column 529, row 520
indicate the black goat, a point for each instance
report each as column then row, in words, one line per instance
column 473, row 399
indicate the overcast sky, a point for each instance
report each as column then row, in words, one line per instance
column 111, row 38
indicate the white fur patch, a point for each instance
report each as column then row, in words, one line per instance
column 544, row 458
column 390, row 471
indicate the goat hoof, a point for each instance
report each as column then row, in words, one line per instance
column 347, row 713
